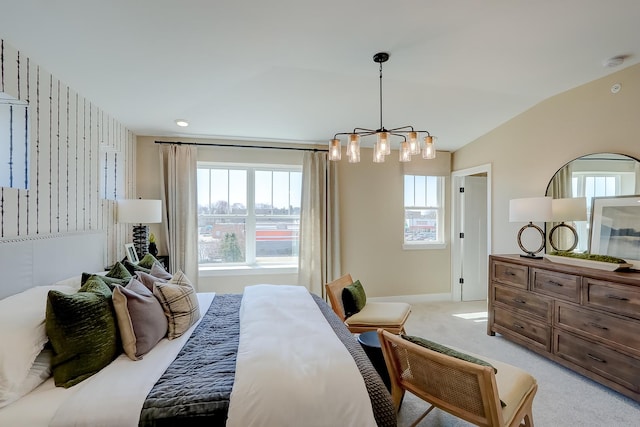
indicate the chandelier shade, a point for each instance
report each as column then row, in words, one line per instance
column 407, row 137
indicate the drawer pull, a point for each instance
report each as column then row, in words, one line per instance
column 595, row 325
column 619, row 298
column 519, row 301
column 519, row 326
column 597, row 359
column 551, row 282
column 509, row 273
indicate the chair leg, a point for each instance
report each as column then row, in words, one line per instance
column 416, row 422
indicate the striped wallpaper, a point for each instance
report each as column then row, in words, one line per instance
column 81, row 160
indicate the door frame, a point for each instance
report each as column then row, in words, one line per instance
column 456, row 212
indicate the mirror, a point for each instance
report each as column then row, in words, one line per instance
column 593, row 175
column 14, row 142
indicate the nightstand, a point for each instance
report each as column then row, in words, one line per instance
column 164, row 259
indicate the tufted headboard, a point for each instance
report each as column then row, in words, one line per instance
column 42, row 260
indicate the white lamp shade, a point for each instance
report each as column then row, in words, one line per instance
column 531, row 209
column 574, row 209
column 139, row 211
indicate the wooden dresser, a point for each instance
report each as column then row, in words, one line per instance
column 585, row 319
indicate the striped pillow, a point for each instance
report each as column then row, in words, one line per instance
column 179, row 302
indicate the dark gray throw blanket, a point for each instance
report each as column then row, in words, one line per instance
column 196, row 387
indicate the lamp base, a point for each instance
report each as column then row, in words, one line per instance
column 527, row 252
column 141, row 239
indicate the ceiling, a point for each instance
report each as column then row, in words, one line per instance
column 300, row 71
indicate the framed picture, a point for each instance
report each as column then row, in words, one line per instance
column 615, row 228
column 132, row 256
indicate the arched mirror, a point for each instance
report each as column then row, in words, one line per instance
column 593, row 175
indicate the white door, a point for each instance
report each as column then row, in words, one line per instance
column 473, row 240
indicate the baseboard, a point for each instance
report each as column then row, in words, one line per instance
column 414, row 298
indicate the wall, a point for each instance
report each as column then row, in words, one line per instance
column 526, row 151
column 81, row 160
column 372, row 228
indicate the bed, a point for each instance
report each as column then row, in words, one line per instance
column 275, row 355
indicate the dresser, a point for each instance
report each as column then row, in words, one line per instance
column 585, row 319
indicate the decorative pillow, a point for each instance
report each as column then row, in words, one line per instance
column 140, row 317
column 147, row 261
column 119, row 271
column 446, row 350
column 22, row 335
column 353, row 298
column 158, row 270
column 111, row 282
column 83, row 332
column 180, row 303
column 132, row 268
column 148, row 280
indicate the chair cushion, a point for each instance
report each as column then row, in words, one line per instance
column 353, row 298
column 513, row 384
column 381, row 314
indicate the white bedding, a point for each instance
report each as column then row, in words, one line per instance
column 125, row 382
column 290, row 372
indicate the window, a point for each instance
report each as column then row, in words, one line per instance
column 423, row 211
column 248, row 216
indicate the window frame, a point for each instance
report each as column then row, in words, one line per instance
column 250, row 265
column 440, row 242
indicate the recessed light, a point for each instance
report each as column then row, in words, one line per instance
column 182, row 123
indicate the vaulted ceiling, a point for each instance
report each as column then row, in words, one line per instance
column 300, row 71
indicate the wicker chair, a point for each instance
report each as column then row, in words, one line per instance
column 464, row 389
column 390, row 316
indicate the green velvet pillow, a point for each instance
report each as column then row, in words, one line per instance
column 147, row 261
column 111, row 282
column 83, row 332
column 132, row 268
column 353, row 298
column 449, row 352
column 119, row 271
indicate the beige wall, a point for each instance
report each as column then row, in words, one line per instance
column 372, row 228
column 526, row 151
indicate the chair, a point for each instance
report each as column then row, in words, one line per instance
column 390, row 316
column 467, row 390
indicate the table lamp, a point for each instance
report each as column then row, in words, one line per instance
column 140, row 212
column 529, row 210
column 570, row 209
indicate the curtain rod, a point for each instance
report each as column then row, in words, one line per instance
column 205, row 144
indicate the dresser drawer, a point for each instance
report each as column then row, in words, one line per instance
column 616, row 330
column 510, row 274
column 616, row 298
column 536, row 305
column 599, row 359
column 535, row 331
column 557, row 285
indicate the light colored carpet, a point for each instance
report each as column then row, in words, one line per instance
column 564, row 398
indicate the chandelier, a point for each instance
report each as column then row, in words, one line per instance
column 409, row 144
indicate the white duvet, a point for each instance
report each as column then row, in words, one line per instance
column 292, row 369
column 124, row 383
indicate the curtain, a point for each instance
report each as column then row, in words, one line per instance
column 178, row 168
column 319, row 256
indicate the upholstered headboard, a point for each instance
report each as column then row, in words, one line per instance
column 42, row 260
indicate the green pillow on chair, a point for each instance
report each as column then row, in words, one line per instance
column 446, row 350
column 353, row 298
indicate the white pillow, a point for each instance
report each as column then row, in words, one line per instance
column 22, row 335
column 39, row 372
